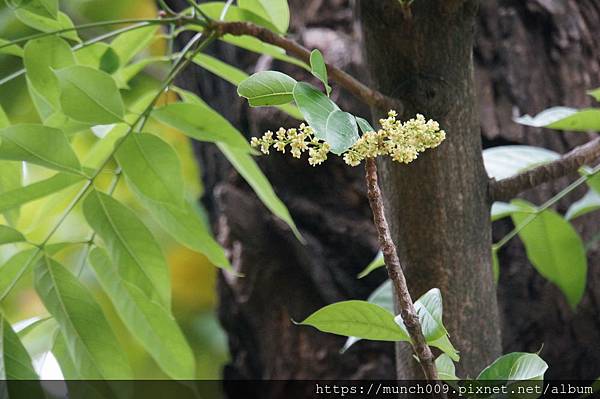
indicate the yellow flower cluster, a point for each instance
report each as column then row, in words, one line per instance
column 403, row 141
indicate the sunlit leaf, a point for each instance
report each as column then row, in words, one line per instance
column 153, row 167
column 90, row 96
column 99, row 56
column 90, row 341
column 555, row 249
column 319, row 69
column 267, row 88
column 517, row 366
column 8, row 235
column 563, row 118
column 148, row 321
column 501, row 210
column 255, row 45
column 10, row 49
column 590, row 202
column 131, row 245
column 276, row 11
column 358, row 319
column 315, row 107
column 445, row 368
column 44, row 8
column 40, row 145
column 128, row 44
column 375, row 264
column 15, row 363
column 214, row 10
column 341, row 131
column 45, row 24
column 509, row 160
column 12, row 270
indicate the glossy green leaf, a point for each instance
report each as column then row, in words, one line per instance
column 153, row 167
column 132, row 246
column 90, row 341
column 247, row 167
column 11, row 175
column 236, row 76
column 445, row 368
column 8, row 235
column 45, row 8
column 555, row 250
column 40, row 145
column 375, row 264
column 90, row 96
column 315, row 107
column 517, row 366
column 364, row 125
column 276, row 11
column 267, row 88
column 10, row 49
column 14, row 198
column 509, row 160
column 186, row 226
column 255, row 45
column 148, row 321
column 341, row 131
column 563, row 118
column 319, row 69
column 590, row 202
column 358, row 319
column 41, row 57
column 46, row 24
column 128, row 44
column 214, row 10
column 15, row 363
column 202, row 123
column 501, row 210
column 429, row 308
column 443, row 343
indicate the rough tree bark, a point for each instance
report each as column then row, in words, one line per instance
column 521, row 47
column 438, row 205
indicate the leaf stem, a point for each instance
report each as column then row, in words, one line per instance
column 551, row 202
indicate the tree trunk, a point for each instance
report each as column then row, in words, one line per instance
column 521, row 46
column 438, row 205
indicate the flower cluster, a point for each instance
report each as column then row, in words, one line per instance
column 402, row 141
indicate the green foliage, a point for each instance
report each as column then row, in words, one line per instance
column 8, row 235
column 505, row 161
column 375, row 264
column 341, row 131
column 276, row 11
column 15, row 363
column 319, row 69
column 315, row 107
column 268, row 88
column 563, row 118
column 13, row 269
column 555, row 249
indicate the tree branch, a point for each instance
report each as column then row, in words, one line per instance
column 506, row 189
column 403, row 301
column 371, row 97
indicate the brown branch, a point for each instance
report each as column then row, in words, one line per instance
column 371, row 97
column 403, row 301
column 506, row 189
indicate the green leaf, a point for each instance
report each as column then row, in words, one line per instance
column 341, row 131
column 14, row 198
column 44, row 8
column 267, row 88
column 446, row 347
column 595, row 93
column 589, row 203
column 276, row 11
column 186, row 226
column 555, row 250
column 315, row 107
column 39, row 145
column 8, row 235
column 152, row 166
column 236, row 76
column 358, row 319
column 10, row 50
column 214, row 9
column 41, row 57
column 375, row 264
column 255, row 45
column 11, row 176
column 319, row 69
column 495, row 265
column 563, row 118
column 15, row 363
column 593, row 179
column 91, row 343
column 202, row 123
column 132, row 246
column 99, row 56
column 509, row 160
column 247, row 167
column 364, row 125
column 429, row 308
column 90, row 96
column 128, row 44
column 501, row 210
column 45, row 24
column 445, row 368
column 148, row 321
column 14, row 268
column 517, row 366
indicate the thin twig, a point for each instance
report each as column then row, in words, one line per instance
column 506, row 189
column 371, row 97
column 402, row 297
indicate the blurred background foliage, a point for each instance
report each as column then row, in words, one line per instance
column 193, row 277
